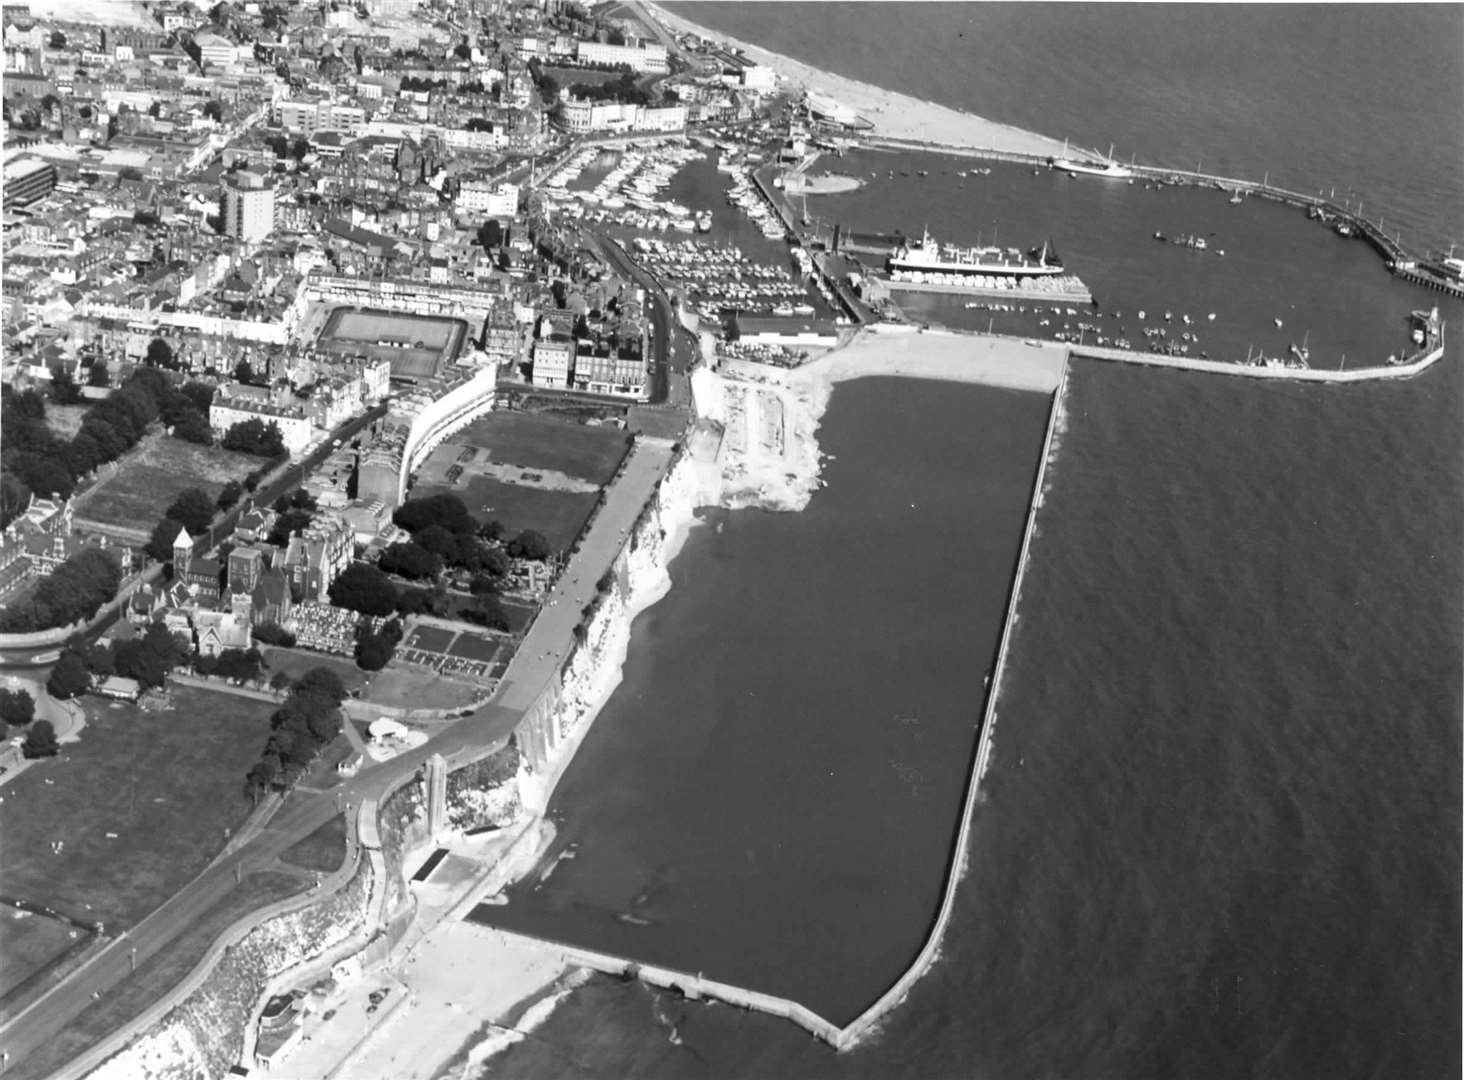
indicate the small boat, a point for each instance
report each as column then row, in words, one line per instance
column 1278, row 323
column 1159, row 236
column 1212, row 316
column 1236, row 198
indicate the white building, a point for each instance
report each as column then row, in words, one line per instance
column 309, row 117
column 759, row 78
column 585, row 116
column 490, row 200
column 641, row 56
column 213, row 49
column 235, row 404
column 248, row 207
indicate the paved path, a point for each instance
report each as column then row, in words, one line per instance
column 539, row 656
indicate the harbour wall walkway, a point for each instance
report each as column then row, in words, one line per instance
column 1220, row 367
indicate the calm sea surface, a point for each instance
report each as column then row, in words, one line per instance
column 1220, row 834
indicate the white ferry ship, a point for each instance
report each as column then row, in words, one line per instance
column 980, row 265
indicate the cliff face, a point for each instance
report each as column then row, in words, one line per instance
column 637, row 580
column 203, row 1035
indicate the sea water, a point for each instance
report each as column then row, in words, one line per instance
column 1220, row 834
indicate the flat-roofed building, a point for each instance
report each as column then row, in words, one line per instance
column 28, row 180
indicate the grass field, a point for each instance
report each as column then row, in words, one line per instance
column 474, row 647
column 535, row 442
column 156, row 975
column 296, row 662
column 140, row 805
column 405, row 688
column 559, row 515
column 154, row 474
column 428, row 638
column 323, row 850
column 30, row 943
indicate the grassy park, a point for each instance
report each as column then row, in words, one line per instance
column 559, row 515
column 535, row 442
column 158, row 974
column 139, row 806
column 152, row 476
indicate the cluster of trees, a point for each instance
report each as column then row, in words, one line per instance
column 36, row 460
column 255, row 437
column 413, row 83
column 626, row 88
column 239, row 665
column 374, row 647
column 274, row 634
column 284, row 148
column 295, row 511
column 17, row 707
column 147, row 659
column 192, row 510
column 73, row 591
column 308, row 720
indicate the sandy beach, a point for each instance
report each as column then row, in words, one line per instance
column 894, row 116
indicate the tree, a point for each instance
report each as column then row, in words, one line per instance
column 300, row 148
column 17, row 707
column 410, row 560
column 73, row 591
column 490, row 234
column 373, row 652
column 255, row 437
column 497, row 562
column 487, row 611
column 213, row 110
column 69, row 677
column 240, row 665
column 530, row 545
column 159, row 546
column 192, row 426
column 445, row 510
column 365, row 589
column 274, row 634
column 97, row 374
column 287, row 525
column 63, row 387
column 101, row 660
column 244, row 372
column 194, row 510
column 57, row 40
column 159, row 354
column 324, row 683
column 299, row 499
column 40, row 741
column 231, row 493
column 201, row 394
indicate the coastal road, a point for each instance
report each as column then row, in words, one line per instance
column 538, row 658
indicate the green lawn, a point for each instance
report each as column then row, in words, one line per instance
column 31, row 942
column 323, row 850
column 296, row 662
column 156, row 975
column 538, row 442
column 154, row 474
column 166, row 784
column 559, row 515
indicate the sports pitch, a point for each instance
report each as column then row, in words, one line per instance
column 418, row 346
